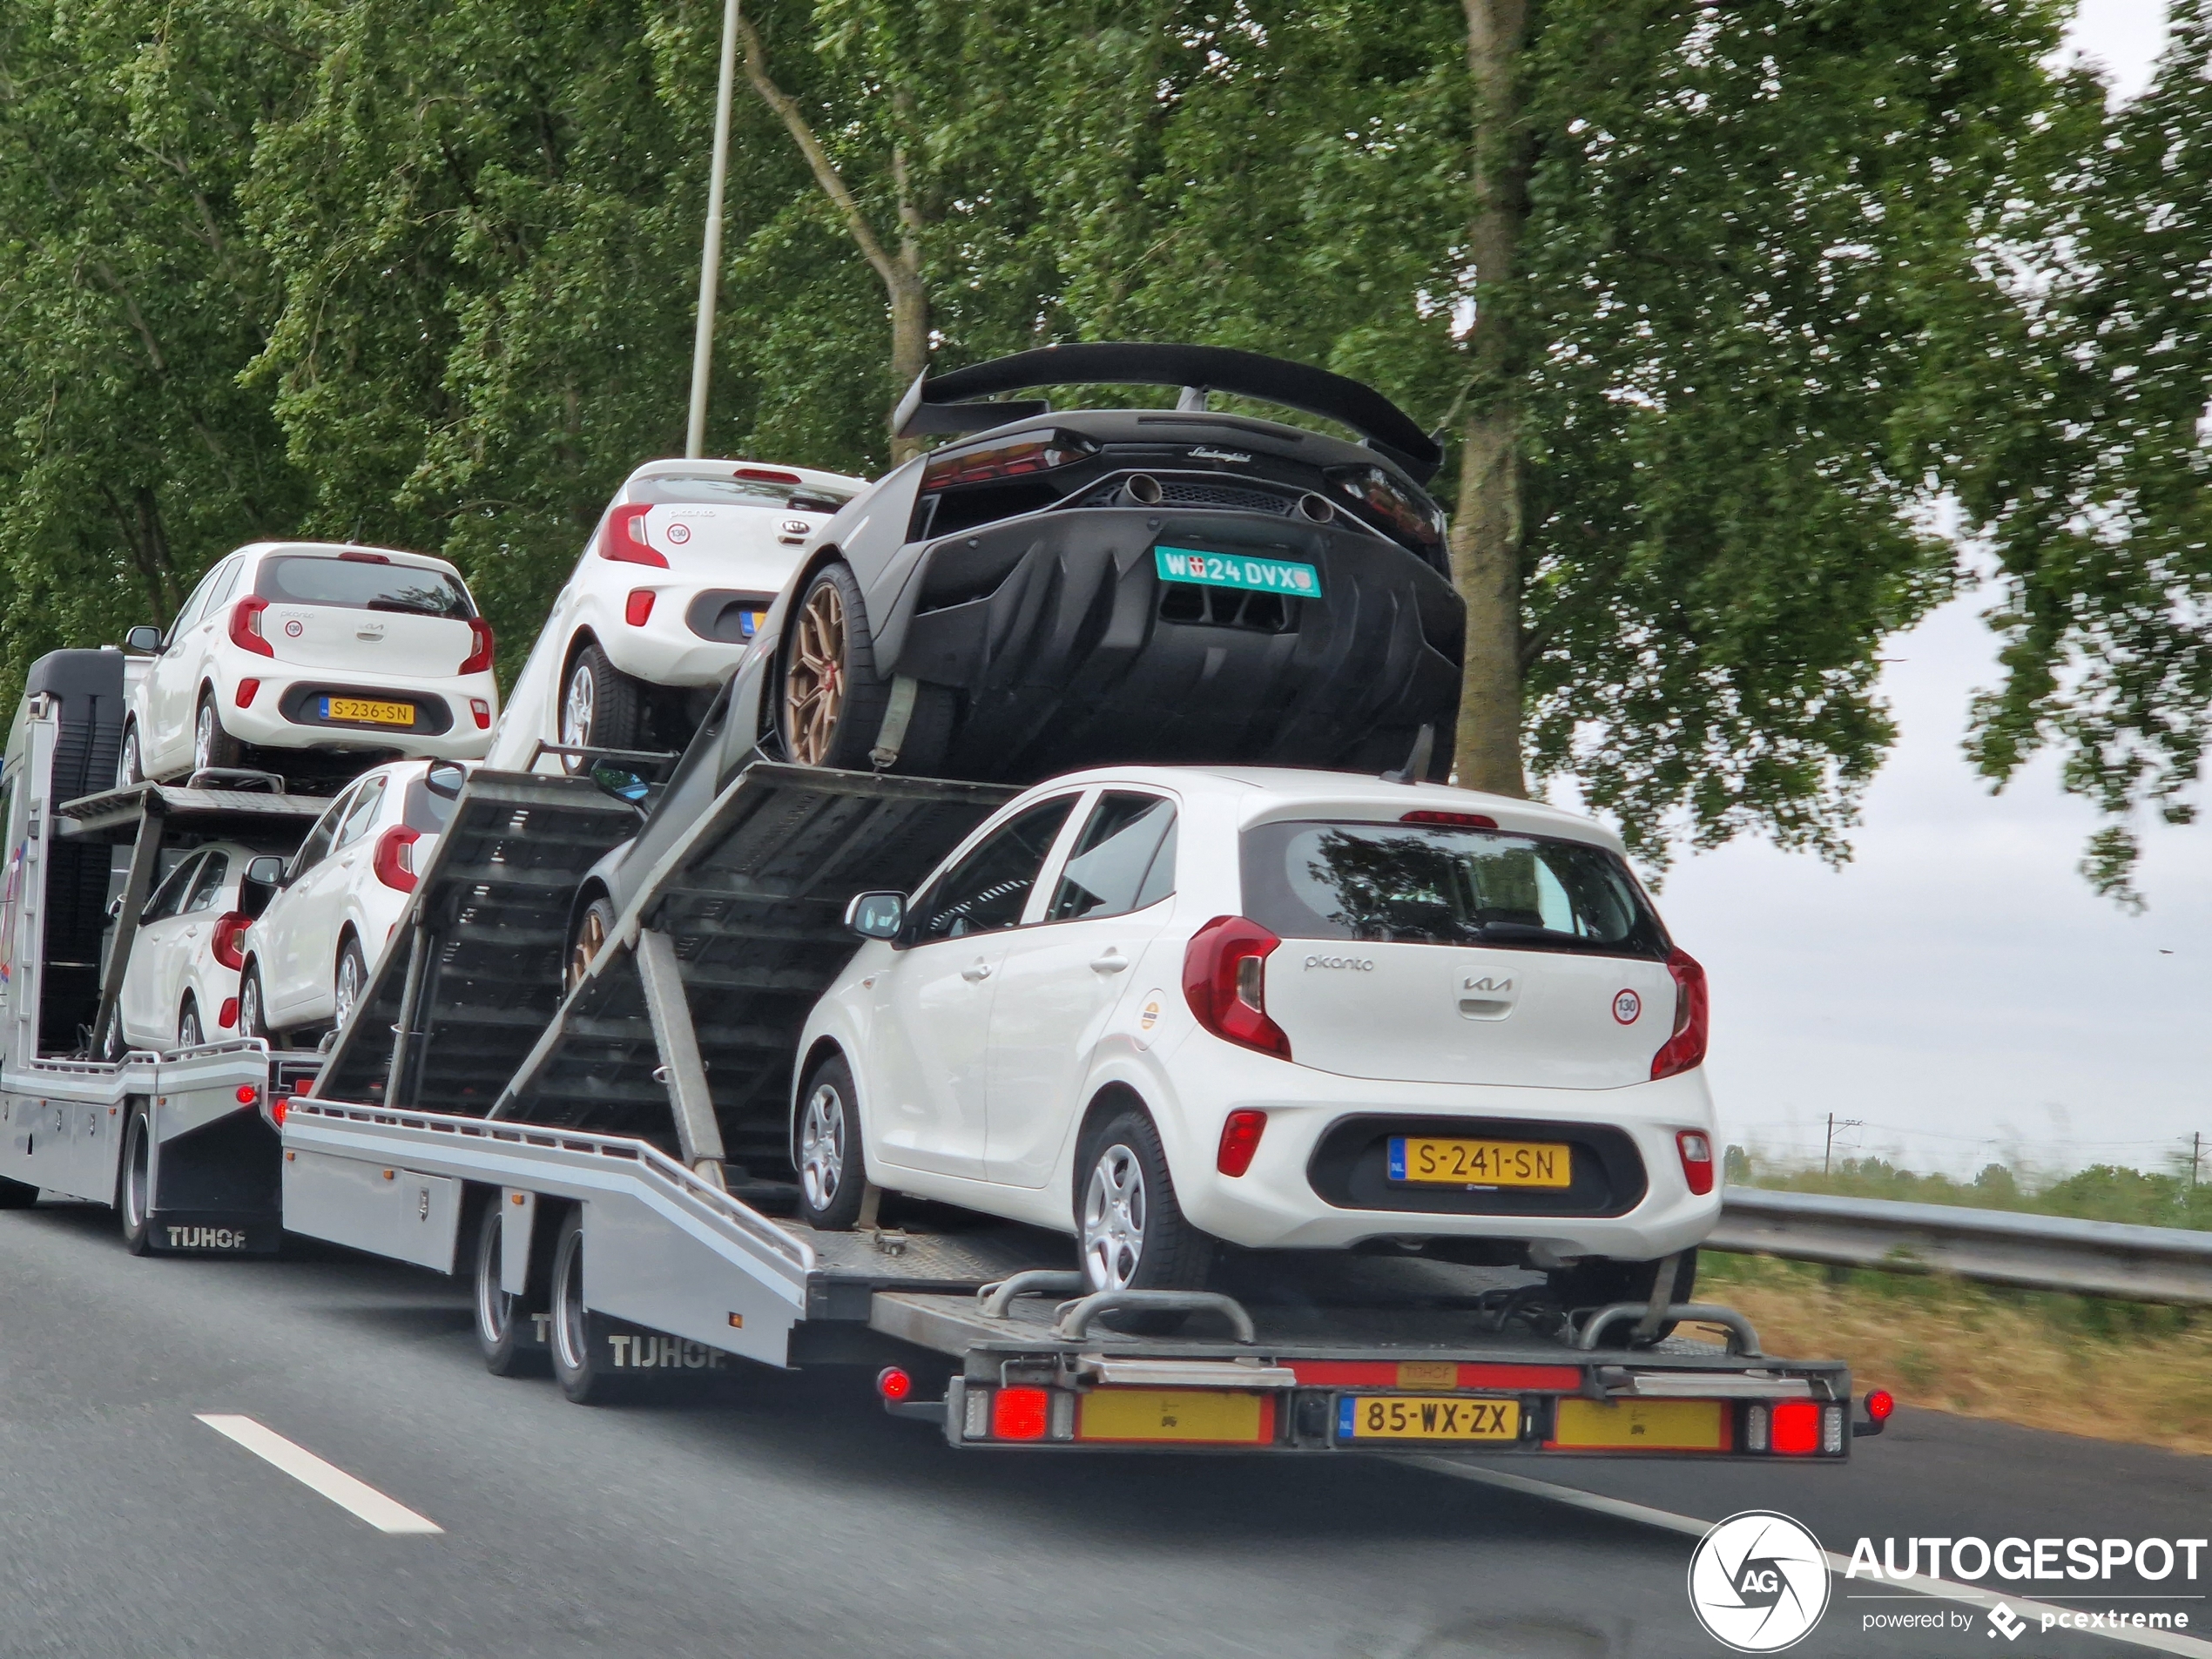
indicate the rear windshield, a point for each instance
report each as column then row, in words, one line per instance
column 361, row 584
column 1435, row 885
column 738, row 492
column 428, row 810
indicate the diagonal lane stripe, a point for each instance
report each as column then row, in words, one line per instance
column 1689, row 1526
column 384, row 1513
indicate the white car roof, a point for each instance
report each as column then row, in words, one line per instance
column 390, row 555
column 707, row 467
column 1259, row 793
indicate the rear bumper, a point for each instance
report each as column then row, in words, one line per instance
column 283, row 715
column 1072, row 650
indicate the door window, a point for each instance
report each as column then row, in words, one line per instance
column 169, row 897
column 317, row 846
column 228, row 573
column 1111, row 871
column 207, row 886
column 987, row 889
column 193, row 606
column 363, row 813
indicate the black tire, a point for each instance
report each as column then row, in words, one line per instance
column 826, row 1148
column 189, row 1035
column 582, row 1357
column 212, row 745
column 502, row 1320
column 18, row 1195
column 134, row 1183
column 110, row 1045
column 252, row 1020
column 1130, row 1233
column 129, row 768
column 1597, row 1281
column 601, row 706
column 593, row 923
column 829, row 702
column 350, row 960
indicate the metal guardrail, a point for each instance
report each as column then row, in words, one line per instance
column 1993, row 1246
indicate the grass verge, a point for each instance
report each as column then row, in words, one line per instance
column 2114, row 1371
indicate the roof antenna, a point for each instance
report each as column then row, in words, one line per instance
column 1193, row 401
column 1415, row 771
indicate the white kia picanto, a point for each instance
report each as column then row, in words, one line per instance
column 1160, row 1007
column 313, row 647
column 688, row 557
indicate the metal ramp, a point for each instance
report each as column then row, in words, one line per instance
column 689, row 1020
column 479, row 953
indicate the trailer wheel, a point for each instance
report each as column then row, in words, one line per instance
column 1129, row 1227
column 500, row 1315
column 134, row 1183
column 16, row 1195
column 579, row 1336
column 1599, row 1281
column 832, row 1176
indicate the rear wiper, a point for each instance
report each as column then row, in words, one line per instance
column 409, row 609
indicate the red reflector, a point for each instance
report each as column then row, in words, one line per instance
column 282, row 1105
column 1239, row 1140
column 638, row 610
column 228, row 1017
column 1696, row 1160
column 248, row 691
column 1452, row 820
column 769, row 475
column 1880, row 1404
column 1796, row 1431
column 894, row 1384
column 1019, row 1413
column 482, row 710
column 248, row 1094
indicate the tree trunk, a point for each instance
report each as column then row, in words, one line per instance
column 909, row 349
column 139, row 525
column 1487, row 532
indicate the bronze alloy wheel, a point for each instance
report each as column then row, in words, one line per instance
column 591, row 929
column 814, row 684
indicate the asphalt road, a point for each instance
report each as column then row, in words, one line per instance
column 761, row 1515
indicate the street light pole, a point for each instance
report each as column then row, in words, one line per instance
column 711, row 258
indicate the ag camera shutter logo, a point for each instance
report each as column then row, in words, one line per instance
column 1759, row 1581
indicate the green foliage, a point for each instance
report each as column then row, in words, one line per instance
column 2103, row 1192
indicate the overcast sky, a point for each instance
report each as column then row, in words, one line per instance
column 1957, row 985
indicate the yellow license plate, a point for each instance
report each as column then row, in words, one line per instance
column 1425, row 1417
column 361, row 708
column 1642, row 1424
column 1420, row 1161
column 1212, row 1417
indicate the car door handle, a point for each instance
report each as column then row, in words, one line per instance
column 975, row 971
column 1112, row 962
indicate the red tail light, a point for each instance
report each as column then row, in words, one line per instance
column 769, row 475
column 637, row 610
column 280, row 1108
column 1685, row 1050
column 626, row 538
column 1239, row 1140
column 248, row 691
column 1697, row 1151
column 1223, row 975
column 394, row 859
column 480, row 647
column 1020, row 1414
column 229, row 942
column 894, row 1383
column 481, row 711
column 1796, row 1428
column 248, row 1094
column 1450, row 821
column 1014, row 460
column 1880, row 1404
column 246, row 625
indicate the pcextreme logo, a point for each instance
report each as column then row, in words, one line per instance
column 1759, row 1581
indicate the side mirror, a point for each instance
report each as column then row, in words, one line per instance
column 877, row 916
column 146, row 638
column 620, row 782
column 445, row 778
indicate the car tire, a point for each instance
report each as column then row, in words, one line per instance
column 189, row 1035
column 129, row 765
column 212, row 747
column 111, row 1046
column 826, row 1147
column 502, row 1316
column 829, row 703
column 352, row 967
column 601, row 706
column 1600, row 1281
column 593, row 923
column 579, row 1337
column 1130, row 1233
column 18, row 1195
column 252, row 1017
column 134, row 1182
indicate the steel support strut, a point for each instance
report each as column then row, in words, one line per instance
column 698, row 1134
column 146, row 855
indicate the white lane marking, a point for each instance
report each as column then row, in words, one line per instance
column 303, row 1465
column 1689, row 1526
